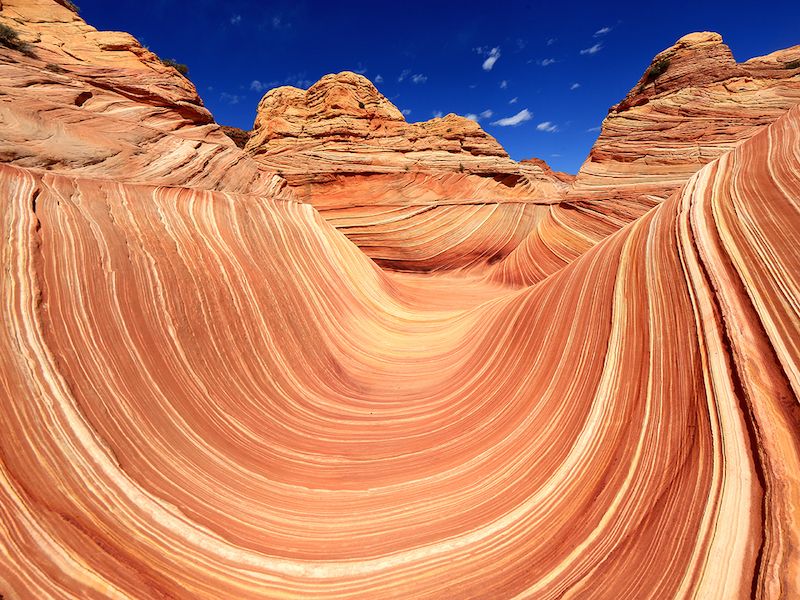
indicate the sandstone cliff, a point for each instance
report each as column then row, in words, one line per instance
column 693, row 104
column 440, row 194
column 100, row 105
column 343, row 125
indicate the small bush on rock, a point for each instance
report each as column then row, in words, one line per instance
column 179, row 67
column 10, row 39
column 657, row 69
column 70, row 5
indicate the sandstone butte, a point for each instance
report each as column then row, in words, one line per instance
column 402, row 192
column 208, row 390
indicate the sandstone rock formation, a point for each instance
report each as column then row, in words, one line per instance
column 693, row 104
column 402, row 191
column 98, row 104
column 239, row 136
column 208, row 391
column 343, row 125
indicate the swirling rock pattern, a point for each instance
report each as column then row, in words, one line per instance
column 210, row 393
column 436, row 195
column 98, row 104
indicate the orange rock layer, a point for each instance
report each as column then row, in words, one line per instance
column 441, row 194
column 211, row 392
column 693, row 104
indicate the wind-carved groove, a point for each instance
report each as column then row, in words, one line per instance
column 751, row 426
column 83, row 98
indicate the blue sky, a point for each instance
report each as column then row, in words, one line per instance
column 556, row 67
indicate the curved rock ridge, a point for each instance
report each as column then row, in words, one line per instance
column 693, row 104
column 218, row 395
column 415, row 196
column 208, row 391
column 100, row 105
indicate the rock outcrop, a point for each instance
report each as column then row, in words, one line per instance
column 208, row 391
column 441, row 194
column 692, row 105
column 343, row 125
column 98, row 104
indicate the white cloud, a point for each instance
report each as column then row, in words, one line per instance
column 593, row 129
column 229, row 98
column 407, row 76
column 593, row 49
column 551, row 41
column 406, row 112
column 555, row 156
column 520, row 117
column 546, row 62
column 575, row 86
column 486, row 114
column 236, row 19
column 602, row 31
column 296, row 80
column 378, row 78
column 547, row 126
column 503, row 84
column 360, row 70
column 437, row 114
column 514, row 100
column 494, row 54
column 277, row 22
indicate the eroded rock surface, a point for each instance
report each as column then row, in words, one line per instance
column 208, row 391
column 98, row 104
column 692, row 105
column 435, row 195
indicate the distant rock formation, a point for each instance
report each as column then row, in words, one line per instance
column 239, row 136
column 99, row 104
column 343, row 125
column 440, row 194
column 693, row 104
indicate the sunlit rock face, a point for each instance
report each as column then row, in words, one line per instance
column 693, row 104
column 441, row 194
column 98, row 104
column 208, row 391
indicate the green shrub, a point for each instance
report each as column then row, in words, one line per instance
column 70, row 5
column 179, row 67
column 795, row 64
column 657, row 69
column 10, row 39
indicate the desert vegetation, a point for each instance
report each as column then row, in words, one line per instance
column 179, row 67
